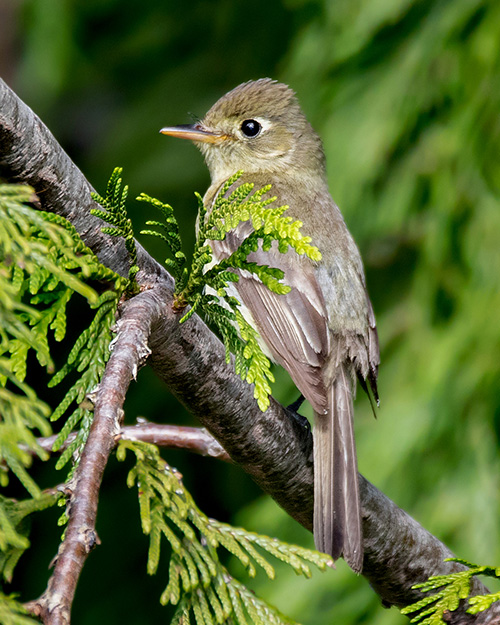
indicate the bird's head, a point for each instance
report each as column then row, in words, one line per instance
column 257, row 127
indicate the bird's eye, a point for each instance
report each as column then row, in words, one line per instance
column 250, row 128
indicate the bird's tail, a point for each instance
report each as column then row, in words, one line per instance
column 337, row 511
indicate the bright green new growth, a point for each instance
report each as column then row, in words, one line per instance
column 452, row 589
column 198, row 582
column 221, row 310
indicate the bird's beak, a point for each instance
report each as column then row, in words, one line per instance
column 195, row 132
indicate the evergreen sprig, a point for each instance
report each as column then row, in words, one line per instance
column 451, row 590
column 268, row 223
column 206, row 285
column 88, row 357
column 14, row 613
column 43, row 262
column 169, row 233
column 198, row 582
column 21, row 413
column 13, row 528
column 115, row 213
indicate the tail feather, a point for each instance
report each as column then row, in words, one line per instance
column 337, row 511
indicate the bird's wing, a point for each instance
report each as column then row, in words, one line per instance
column 294, row 326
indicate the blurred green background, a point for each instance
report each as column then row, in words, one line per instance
column 406, row 96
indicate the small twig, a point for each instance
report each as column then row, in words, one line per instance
column 130, row 352
column 198, row 440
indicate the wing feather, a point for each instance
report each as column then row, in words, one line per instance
column 294, row 326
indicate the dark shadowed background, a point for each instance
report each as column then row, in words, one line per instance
column 406, row 95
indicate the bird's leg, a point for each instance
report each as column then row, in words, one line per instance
column 293, row 408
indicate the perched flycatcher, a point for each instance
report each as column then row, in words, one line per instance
column 323, row 331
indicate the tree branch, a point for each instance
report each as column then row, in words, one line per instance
column 270, row 446
column 129, row 353
column 198, row 440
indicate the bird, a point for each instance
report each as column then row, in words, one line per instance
column 323, row 331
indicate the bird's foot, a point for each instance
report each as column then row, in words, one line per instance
column 293, row 408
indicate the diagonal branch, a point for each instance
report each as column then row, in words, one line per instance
column 270, row 446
